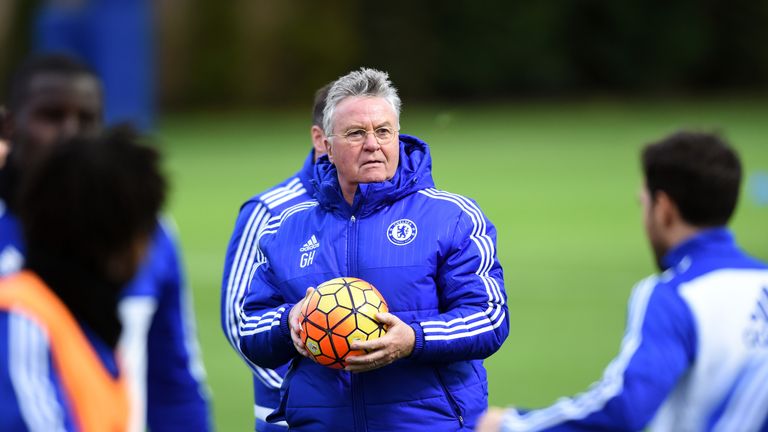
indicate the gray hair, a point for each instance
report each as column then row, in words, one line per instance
column 365, row 82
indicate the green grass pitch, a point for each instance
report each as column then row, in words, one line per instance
column 559, row 181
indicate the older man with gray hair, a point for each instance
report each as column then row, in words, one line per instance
column 432, row 255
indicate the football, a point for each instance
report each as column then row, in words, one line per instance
column 337, row 313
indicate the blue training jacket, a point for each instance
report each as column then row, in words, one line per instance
column 431, row 254
column 694, row 356
column 158, row 336
column 242, row 255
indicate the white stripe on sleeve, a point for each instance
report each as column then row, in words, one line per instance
column 30, row 375
column 241, row 271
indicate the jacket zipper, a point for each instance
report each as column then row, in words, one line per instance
column 352, row 246
column 451, row 400
column 356, row 380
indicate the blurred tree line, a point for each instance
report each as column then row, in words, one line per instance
column 242, row 52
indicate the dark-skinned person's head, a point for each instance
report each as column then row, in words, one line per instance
column 88, row 211
column 51, row 98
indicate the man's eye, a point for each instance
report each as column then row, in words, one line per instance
column 356, row 134
column 51, row 114
column 383, row 133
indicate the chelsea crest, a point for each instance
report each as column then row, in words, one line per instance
column 401, row 232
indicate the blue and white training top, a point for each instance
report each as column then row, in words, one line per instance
column 432, row 256
column 694, row 356
column 242, row 255
column 158, row 345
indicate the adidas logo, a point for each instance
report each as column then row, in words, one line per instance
column 761, row 309
column 756, row 333
column 311, row 244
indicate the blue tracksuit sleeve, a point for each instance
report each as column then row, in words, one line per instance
column 176, row 392
column 658, row 347
column 473, row 322
column 265, row 337
column 242, row 255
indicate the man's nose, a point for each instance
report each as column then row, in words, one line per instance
column 70, row 127
column 371, row 143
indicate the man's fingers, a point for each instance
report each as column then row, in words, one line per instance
column 387, row 318
column 296, row 324
column 366, row 358
column 371, row 345
column 360, row 368
column 299, row 346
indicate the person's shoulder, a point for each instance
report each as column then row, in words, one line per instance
column 297, row 213
column 658, row 297
column 8, row 221
column 20, row 322
column 280, row 229
column 449, row 203
column 694, row 269
column 280, row 197
column 166, row 234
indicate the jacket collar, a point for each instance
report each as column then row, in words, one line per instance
column 706, row 241
column 414, row 172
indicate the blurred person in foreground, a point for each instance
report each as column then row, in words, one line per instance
column 87, row 213
column 431, row 254
column 51, row 99
column 695, row 353
column 243, row 254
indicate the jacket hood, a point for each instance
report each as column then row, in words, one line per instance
column 414, row 172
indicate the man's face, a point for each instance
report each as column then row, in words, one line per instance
column 653, row 226
column 369, row 161
column 56, row 107
column 123, row 265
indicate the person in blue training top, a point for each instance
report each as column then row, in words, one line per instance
column 51, row 99
column 695, row 352
column 59, row 326
column 243, row 253
column 431, row 254
column 114, row 37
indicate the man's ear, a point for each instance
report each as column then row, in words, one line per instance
column 328, row 148
column 666, row 210
column 318, row 140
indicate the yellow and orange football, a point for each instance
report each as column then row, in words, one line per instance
column 337, row 313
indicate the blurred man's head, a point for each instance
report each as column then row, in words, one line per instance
column 93, row 202
column 316, row 132
column 691, row 182
column 51, row 98
column 88, row 211
column 362, row 120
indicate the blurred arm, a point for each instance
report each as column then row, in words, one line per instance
column 657, row 349
column 177, row 395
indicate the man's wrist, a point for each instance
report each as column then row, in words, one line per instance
column 418, row 340
column 285, row 324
